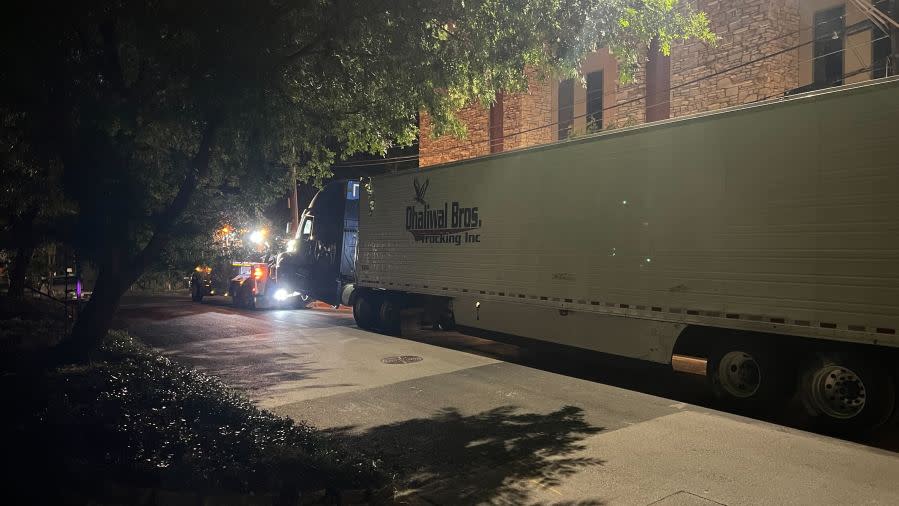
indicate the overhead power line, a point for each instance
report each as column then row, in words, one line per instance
column 727, row 70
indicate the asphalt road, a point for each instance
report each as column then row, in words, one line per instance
column 465, row 419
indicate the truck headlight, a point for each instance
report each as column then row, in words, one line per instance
column 292, row 246
column 281, row 294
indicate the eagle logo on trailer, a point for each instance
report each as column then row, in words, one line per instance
column 420, row 190
column 451, row 223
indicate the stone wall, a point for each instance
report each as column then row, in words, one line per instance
column 530, row 125
column 630, row 108
column 447, row 148
column 747, row 30
column 526, row 122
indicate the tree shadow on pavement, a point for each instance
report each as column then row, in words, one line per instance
column 496, row 455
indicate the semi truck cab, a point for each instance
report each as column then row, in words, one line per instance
column 321, row 258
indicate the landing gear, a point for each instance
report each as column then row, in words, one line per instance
column 847, row 391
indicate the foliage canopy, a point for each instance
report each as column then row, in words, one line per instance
column 167, row 113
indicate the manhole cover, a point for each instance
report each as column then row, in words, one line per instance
column 684, row 498
column 401, row 359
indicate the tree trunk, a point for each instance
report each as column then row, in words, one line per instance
column 19, row 270
column 94, row 321
column 119, row 271
column 24, row 238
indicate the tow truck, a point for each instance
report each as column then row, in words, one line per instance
column 250, row 285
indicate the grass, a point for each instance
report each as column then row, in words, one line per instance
column 137, row 419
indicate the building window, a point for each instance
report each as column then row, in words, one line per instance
column 829, row 41
column 594, row 101
column 881, row 47
column 566, row 108
column 496, row 125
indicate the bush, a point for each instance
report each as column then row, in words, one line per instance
column 139, row 419
column 28, row 325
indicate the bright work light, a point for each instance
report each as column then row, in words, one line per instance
column 257, row 236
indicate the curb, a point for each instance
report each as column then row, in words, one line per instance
column 113, row 493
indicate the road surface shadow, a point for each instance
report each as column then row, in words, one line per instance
column 637, row 375
column 499, row 455
column 632, row 374
column 253, row 369
column 171, row 312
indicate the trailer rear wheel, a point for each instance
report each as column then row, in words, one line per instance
column 847, row 392
column 747, row 374
column 364, row 311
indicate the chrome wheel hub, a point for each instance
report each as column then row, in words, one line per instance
column 739, row 374
column 838, row 392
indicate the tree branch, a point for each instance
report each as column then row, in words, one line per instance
column 200, row 166
column 307, row 48
column 337, row 19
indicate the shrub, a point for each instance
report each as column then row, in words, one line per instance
column 138, row 418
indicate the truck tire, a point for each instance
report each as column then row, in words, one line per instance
column 364, row 311
column 389, row 315
column 233, row 289
column 242, row 297
column 847, row 392
column 748, row 374
column 249, row 298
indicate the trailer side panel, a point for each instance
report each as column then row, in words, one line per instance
column 781, row 217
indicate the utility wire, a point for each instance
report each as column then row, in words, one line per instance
column 610, row 93
column 471, row 144
column 407, row 158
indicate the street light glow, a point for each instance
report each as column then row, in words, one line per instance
column 258, row 236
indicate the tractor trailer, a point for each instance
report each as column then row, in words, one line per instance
column 762, row 238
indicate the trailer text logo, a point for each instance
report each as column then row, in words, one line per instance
column 451, row 223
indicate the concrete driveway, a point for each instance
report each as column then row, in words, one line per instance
column 465, row 420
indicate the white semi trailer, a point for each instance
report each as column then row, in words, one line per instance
column 763, row 238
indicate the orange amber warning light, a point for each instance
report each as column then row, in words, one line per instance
column 258, row 273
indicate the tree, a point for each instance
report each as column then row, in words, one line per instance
column 33, row 209
column 152, row 107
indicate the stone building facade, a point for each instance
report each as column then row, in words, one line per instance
column 765, row 49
